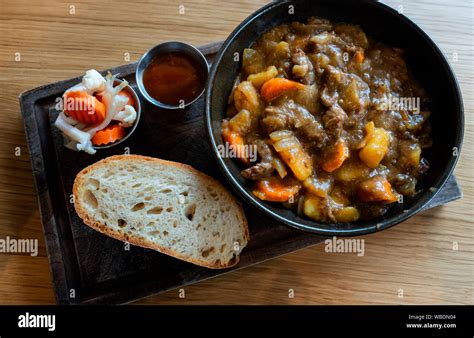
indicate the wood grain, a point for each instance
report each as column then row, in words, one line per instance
column 417, row 256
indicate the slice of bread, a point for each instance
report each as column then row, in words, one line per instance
column 166, row 206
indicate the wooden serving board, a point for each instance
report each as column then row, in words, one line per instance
column 88, row 267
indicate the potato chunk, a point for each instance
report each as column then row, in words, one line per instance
column 315, row 207
column 410, row 153
column 247, row 97
column 376, row 189
column 282, row 49
column 346, row 214
column 252, row 61
column 340, row 196
column 318, row 185
column 323, row 209
column 241, row 123
column 376, row 142
column 260, row 78
column 351, row 170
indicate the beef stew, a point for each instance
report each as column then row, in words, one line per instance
column 337, row 120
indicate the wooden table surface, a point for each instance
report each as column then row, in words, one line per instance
column 42, row 42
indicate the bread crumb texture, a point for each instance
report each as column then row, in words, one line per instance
column 165, row 206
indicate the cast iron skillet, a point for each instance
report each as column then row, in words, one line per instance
column 384, row 24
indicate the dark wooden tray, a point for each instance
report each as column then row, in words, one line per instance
column 98, row 269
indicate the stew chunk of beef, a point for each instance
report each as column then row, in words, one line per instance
column 303, row 68
column 290, row 115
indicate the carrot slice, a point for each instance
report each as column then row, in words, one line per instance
column 84, row 108
column 236, row 142
column 110, row 134
column 376, row 189
column 274, row 189
column 336, row 156
column 277, row 86
column 359, row 56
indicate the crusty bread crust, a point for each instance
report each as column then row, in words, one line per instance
column 135, row 240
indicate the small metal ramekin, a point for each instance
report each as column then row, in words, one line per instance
column 138, row 108
column 169, row 47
